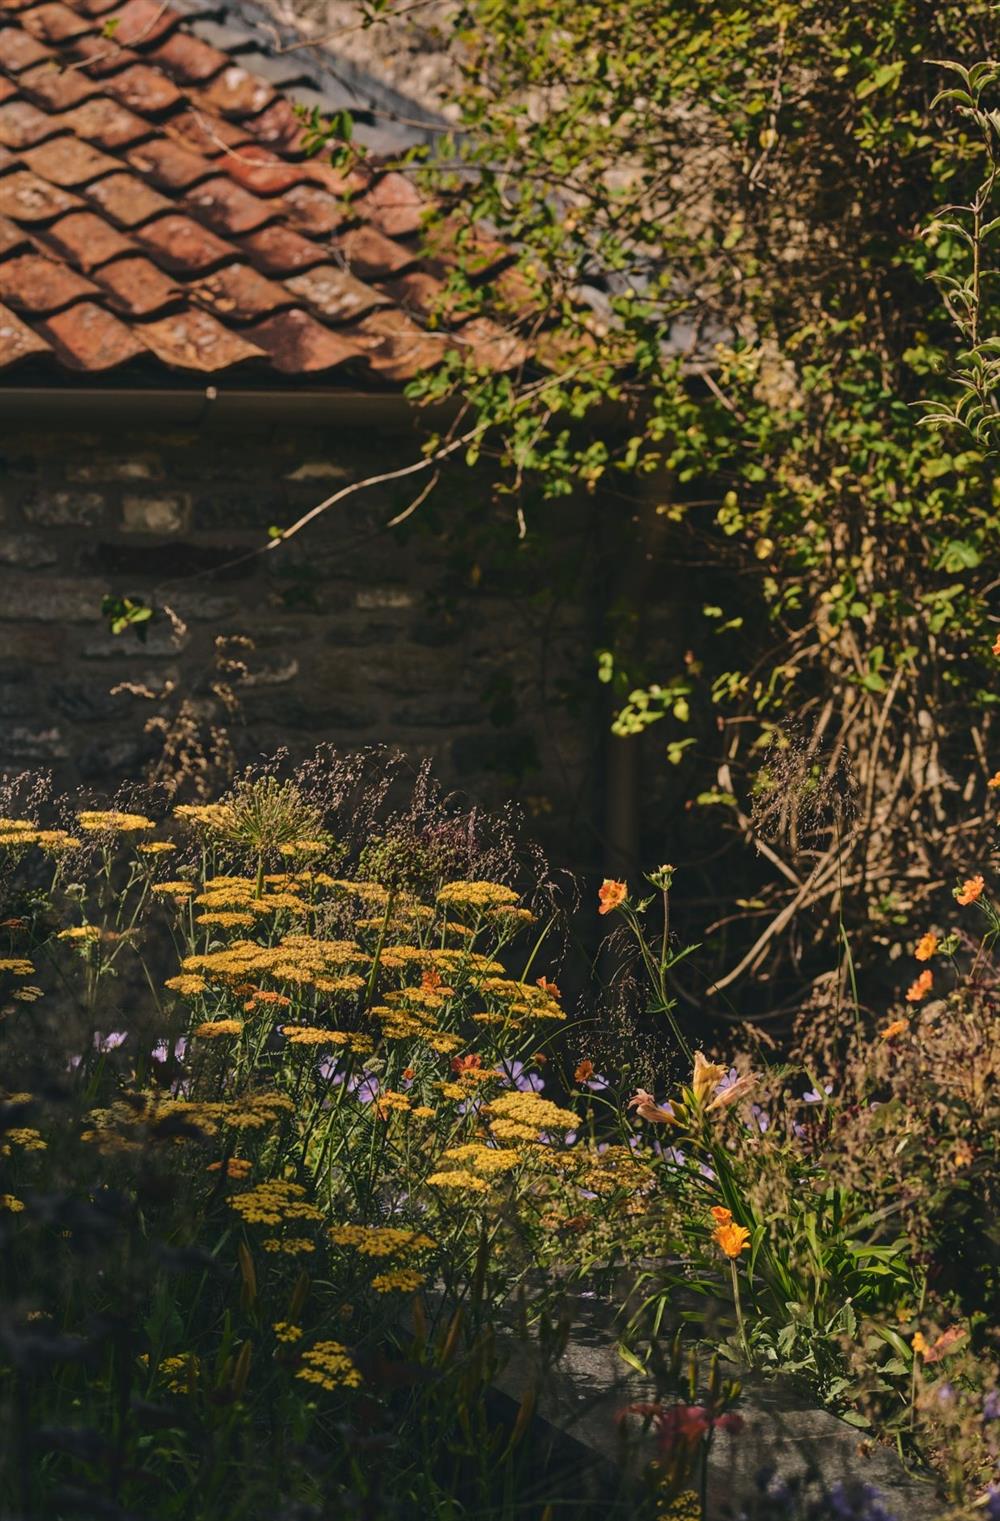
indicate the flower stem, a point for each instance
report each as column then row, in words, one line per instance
column 739, row 1311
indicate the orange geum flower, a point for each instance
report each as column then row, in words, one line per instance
column 721, row 1215
column 926, row 946
column 920, row 988
column 970, row 891
column 548, row 987
column 611, row 894
column 996, row 645
column 919, row 1344
column 897, row 1027
column 994, row 780
column 732, row 1238
column 584, row 1071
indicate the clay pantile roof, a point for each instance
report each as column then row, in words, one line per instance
column 160, row 213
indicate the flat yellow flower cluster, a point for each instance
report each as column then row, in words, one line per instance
column 293, row 1246
column 296, row 958
column 213, row 818
column 529, row 1109
column 460, row 1179
column 156, row 847
column 328, row 1365
column 274, row 1202
column 119, row 823
column 8, row 1202
column 523, row 1001
column 398, row 1281
column 80, row 932
column 476, row 895
column 24, row 1137
column 20, row 833
column 180, row 1374
column 16, row 965
column 127, row 1126
column 490, row 1160
column 380, row 1240
column 213, row 1029
column 187, row 984
column 174, row 889
column 286, row 1332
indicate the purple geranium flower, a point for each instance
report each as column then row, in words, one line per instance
column 109, row 1042
column 161, row 1050
column 814, row 1097
column 519, row 1077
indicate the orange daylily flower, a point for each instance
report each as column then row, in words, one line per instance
column 646, row 1106
column 721, row 1215
column 549, row 987
column 732, row 1238
column 706, row 1076
column 732, row 1094
column 430, row 980
column 926, row 946
column 468, row 1063
column 920, row 988
column 611, row 894
column 897, row 1027
column 970, row 891
column 943, row 1344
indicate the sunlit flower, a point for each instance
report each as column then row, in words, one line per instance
column 721, row 1215
column 214, row 1028
column 548, row 987
column 188, row 984
column 398, row 1281
column 731, row 1092
column 611, row 894
column 584, row 1071
column 919, row 1344
column 232, row 1167
column 328, row 1365
column 80, row 932
column 732, row 1238
column 996, row 645
column 121, row 823
column 685, row 1426
column 926, row 946
column 647, row 1108
column 897, row 1027
column 970, row 891
column 463, row 1064
column 994, row 780
column 156, row 848
column 920, row 987
column 962, row 1156
column 286, row 1332
column 705, row 1077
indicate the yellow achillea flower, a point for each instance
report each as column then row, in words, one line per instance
column 897, row 1027
column 286, row 1332
column 7, row 1201
column 308, row 1035
column 232, row 1167
column 294, row 1246
column 225, row 920
column 274, row 1201
column 380, row 1240
column 970, row 891
column 389, row 1101
column 16, row 964
column 180, row 1374
column 328, row 1365
column 926, row 946
column 490, row 1160
column 423, row 1112
column 121, row 823
column 186, row 984
column 80, row 932
column 481, row 895
column 214, row 1028
column 920, row 987
column 732, row 1238
column 398, row 1281
column 460, row 1179
column 23, row 1136
column 174, row 889
column 530, row 1109
column 208, row 816
column 513, row 1130
column 156, row 847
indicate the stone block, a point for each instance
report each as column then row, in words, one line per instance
column 203, row 607
column 324, row 716
column 117, row 755
column 105, row 467
column 63, row 509
column 319, row 470
column 30, row 646
column 26, row 551
column 87, row 698
column 379, row 598
column 160, row 643
column 25, row 744
column 164, row 512
column 50, row 599
column 275, row 673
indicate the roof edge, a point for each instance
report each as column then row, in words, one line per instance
column 214, row 406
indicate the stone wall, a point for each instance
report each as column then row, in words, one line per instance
column 466, row 649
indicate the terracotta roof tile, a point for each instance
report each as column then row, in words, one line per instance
column 125, row 199
column 11, row 237
column 137, row 288
column 192, row 340
column 395, row 347
column 240, row 294
column 87, row 240
column 335, row 294
column 87, row 337
column 144, row 90
column 95, row 7
column 22, row 124
column 100, row 57
column 298, row 344
column 491, row 346
column 57, row 89
column 235, row 92
column 371, row 256
column 229, row 208
column 54, row 23
column 68, row 162
column 142, row 23
column 8, row 160
column 393, row 205
column 17, row 340
column 19, row 50
column 279, row 127
column 26, row 198
column 279, row 251
column 315, row 211
column 187, row 59
column 260, row 170
column 196, row 130
column 182, row 245
column 166, row 163
column 8, row 88
column 419, row 294
column 105, row 122
column 31, row 283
